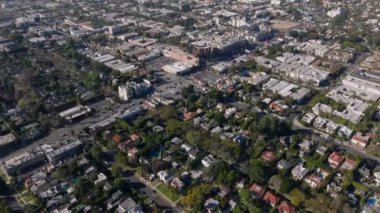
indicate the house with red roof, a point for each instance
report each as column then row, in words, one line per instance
column 271, row 199
column 268, row 156
column 286, row 207
column 349, row 164
column 335, row 159
column 257, row 190
column 188, row 115
column 360, row 140
column 277, row 106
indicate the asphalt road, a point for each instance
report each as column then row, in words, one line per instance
column 325, row 137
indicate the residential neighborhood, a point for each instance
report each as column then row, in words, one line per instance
column 190, row 106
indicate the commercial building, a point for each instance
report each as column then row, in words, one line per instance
column 68, row 150
column 365, row 83
column 131, row 90
column 7, row 140
column 23, row 162
column 75, row 112
column 131, row 113
column 116, row 29
column 299, row 67
column 102, row 125
column 177, row 68
column 286, row 89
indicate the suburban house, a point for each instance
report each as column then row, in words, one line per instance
column 335, row 159
column 257, row 190
column 129, row 206
column 299, row 172
column 271, row 199
column 316, row 179
column 177, row 184
column 359, row 140
column 284, row 165
column 322, row 150
column 305, row 147
column 211, row 205
column 208, row 160
column 286, row 207
column 349, row 164
column 165, row 175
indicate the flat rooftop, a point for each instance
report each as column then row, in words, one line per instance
column 68, row 147
column 7, row 139
column 26, row 156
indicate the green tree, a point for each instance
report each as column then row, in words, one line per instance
column 91, row 79
column 120, row 183
column 194, row 137
column 275, row 182
column 121, row 159
column 245, row 195
column 195, row 197
column 97, row 153
column 257, row 172
column 297, row 197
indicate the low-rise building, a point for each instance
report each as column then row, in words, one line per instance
column 299, row 172
column 166, row 176
column 271, row 199
column 177, row 68
column 360, row 140
column 23, row 162
column 286, row 207
column 284, row 165
column 208, row 160
column 257, row 190
column 129, row 206
column 335, row 159
column 349, row 164
column 68, row 150
column 177, row 184
column 75, row 112
column 308, row 118
column 7, row 140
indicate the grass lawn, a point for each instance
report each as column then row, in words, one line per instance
column 138, row 170
column 373, row 150
column 156, row 181
column 359, row 186
column 168, row 192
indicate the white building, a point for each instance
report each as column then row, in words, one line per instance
column 208, row 160
column 177, row 68
column 131, row 90
column 75, row 112
column 335, row 12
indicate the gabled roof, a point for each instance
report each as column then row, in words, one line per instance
column 257, row 190
column 271, row 198
column 336, row 158
column 286, row 207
